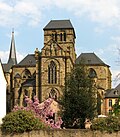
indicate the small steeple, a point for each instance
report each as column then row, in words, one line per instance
column 12, row 56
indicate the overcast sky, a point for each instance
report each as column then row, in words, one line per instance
column 96, row 23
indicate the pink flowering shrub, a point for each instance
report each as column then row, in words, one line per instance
column 41, row 111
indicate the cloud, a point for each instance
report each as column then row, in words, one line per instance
column 4, row 55
column 30, row 12
column 112, row 49
column 103, row 11
column 115, row 77
column 19, row 13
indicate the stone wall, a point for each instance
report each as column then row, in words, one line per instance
column 63, row 133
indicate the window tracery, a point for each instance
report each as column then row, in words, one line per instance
column 52, row 73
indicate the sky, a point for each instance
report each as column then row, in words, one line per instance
column 96, row 23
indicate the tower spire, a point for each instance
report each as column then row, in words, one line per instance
column 12, row 56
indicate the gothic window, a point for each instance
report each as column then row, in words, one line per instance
column 52, row 73
column 64, row 36
column 55, row 36
column 53, row 94
column 26, row 74
column 92, row 73
column 61, row 37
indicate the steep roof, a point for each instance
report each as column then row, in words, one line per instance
column 89, row 59
column 29, row 60
column 7, row 67
column 112, row 93
column 59, row 24
column 118, row 87
column 12, row 56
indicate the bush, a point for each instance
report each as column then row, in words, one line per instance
column 109, row 124
column 20, row 121
column 42, row 111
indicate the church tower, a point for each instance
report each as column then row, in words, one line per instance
column 12, row 61
column 12, row 56
column 57, row 57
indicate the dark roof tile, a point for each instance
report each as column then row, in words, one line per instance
column 112, row 93
column 59, row 24
column 89, row 59
column 29, row 60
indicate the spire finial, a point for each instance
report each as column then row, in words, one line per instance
column 12, row 30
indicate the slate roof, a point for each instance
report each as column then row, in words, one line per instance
column 7, row 67
column 29, row 60
column 112, row 93
column 29, row 83
column 118, row 87
column 90, row 59
column 59, row 24
column 12, row 56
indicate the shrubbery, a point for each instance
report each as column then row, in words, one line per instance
column 20, row 121
column 109, row 124
column 33, row 116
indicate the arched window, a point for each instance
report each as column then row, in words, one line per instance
column 61, row 37
column 55, row 36
column 53, row 94
column 92, row 73
column 64, row 36
column 26, row 74
column 52, row 73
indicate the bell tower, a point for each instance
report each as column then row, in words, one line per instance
column 57, row 57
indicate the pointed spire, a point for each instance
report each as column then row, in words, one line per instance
column 12, row 56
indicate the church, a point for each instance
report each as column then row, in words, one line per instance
column 43, row 73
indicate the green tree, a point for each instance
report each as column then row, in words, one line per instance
column 79, row 99
column 116, row 108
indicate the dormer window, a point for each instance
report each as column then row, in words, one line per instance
column 116, row 92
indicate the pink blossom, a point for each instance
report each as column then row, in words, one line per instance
column 41, row 111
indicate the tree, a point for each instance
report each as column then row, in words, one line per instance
column 116, row 108
column 79, row 98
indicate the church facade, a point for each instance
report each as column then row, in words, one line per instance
column 43, row 73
